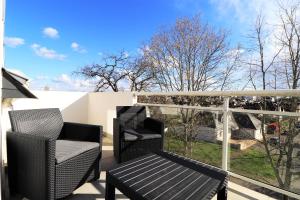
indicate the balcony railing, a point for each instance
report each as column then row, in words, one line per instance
column 256, row 139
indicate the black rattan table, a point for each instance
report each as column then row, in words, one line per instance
column 164, row 175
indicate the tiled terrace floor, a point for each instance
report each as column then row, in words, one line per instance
column 96, row 190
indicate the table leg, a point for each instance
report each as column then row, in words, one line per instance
column 109, row 191
column 222, row 194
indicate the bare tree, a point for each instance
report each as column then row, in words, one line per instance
column 190, row 56
column 109, row 74
column 140, row 75
column 133, row 72
column 287, row 57
column 260, row 64
column 290, row 41
column 231, row 65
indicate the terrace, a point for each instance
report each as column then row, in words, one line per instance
column 242, row 155
column 252, row 135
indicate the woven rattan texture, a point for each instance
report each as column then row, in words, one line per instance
column 46, row 122
column 131, row 150
column 31, row 155
column 74, row 172
column 135, row 117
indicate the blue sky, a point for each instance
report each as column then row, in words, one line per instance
column 48, row 40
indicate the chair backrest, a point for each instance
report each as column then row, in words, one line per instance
column 131, row 116
column 46, row 122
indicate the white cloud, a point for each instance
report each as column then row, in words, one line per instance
column 50, row 32
column 62, row 82
column 100, row 54
column 65, row 82
column 63, row 78
column 47, row 53
column 18, row 72
column 41, row 77
column 13, row 41
column 245, row 14
column 246, row 11
column 39, row 82
column 76, row 47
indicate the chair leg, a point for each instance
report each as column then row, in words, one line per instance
column 109, row 191
column 222, row 194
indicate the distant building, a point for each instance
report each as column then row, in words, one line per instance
column 245, row 126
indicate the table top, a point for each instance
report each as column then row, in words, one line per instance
column 156, row 176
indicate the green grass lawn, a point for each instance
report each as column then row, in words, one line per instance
column 251, row 162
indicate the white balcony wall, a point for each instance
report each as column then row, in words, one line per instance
column 102, row 107
column 73, row 105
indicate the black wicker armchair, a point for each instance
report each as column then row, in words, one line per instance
column 134, row 134
column 49, row 159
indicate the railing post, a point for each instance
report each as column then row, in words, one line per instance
column 134, row 98
column 226, row 134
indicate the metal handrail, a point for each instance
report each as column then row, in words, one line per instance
column 203, row 108
column 225, row 93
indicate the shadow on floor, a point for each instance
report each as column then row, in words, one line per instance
column 241, row 194
column 96, row 189
column 99, row 186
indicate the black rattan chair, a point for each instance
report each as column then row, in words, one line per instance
column 47, row 158
column 134, row 134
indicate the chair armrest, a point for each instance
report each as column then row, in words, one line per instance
column 117, row 128
column 82, row 132
column 154, row 125
column 31, row 164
